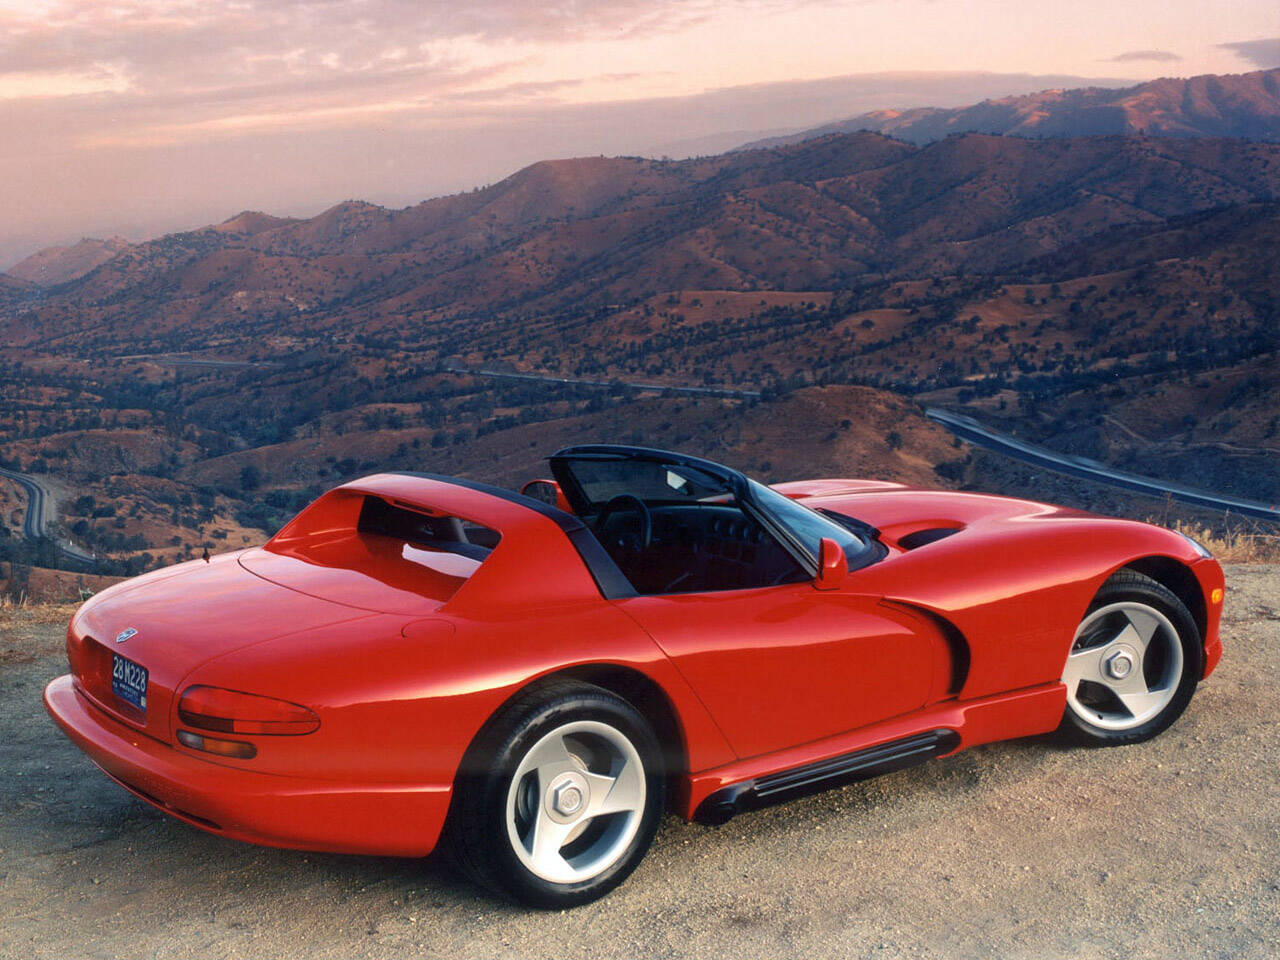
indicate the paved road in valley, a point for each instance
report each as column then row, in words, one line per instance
column 39, row 504
column 656, row 387
column 172, row 361
column 971, row 430
column 967, row 429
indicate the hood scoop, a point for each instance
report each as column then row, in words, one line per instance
column 920, row 538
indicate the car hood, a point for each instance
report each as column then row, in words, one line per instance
column 904, row 514
column 180, row 617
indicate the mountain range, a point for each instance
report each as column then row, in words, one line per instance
column 1239, row 105
column 1115, row 296
column 563, row 238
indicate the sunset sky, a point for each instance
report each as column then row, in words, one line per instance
column 138, row 117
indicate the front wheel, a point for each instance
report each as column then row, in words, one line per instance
column 561, row 797
column 1134, row 663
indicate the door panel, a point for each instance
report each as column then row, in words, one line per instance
column 784, row 665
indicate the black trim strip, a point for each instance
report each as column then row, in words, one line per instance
column 609, row 579
column 852, row 524
column 608, row 576
column 823, row 775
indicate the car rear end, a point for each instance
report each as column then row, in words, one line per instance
column 215, row 757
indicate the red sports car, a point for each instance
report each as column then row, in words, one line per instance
column 418, row 659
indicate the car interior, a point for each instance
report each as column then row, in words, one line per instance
column 672, row 528
column 669, row 526
column 443, row 534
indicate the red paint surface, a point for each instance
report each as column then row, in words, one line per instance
column 405, row 661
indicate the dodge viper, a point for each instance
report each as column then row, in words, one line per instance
column 530, row 679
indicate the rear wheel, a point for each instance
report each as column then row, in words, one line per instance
column 561, row 797
column 1134, row 663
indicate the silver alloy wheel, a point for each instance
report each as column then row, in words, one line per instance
column 576, row 802
column 1132, row 651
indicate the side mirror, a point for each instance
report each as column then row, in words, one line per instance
column 548, row 491
column 833, row 565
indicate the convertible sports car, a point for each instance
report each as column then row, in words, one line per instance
column 418, row 659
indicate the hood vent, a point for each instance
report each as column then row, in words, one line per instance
column 918, row 538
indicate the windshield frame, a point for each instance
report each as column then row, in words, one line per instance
column 781, row 511
column 761, row 502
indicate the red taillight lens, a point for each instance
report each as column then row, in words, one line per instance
column 229, row 711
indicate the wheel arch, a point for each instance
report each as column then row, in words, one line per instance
column 634, row 686
column 1176, row 577
column 646, row 695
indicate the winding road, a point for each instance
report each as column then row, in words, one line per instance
column 177, row 361
column 968, row 429
column 656, row 387
column 39, row 502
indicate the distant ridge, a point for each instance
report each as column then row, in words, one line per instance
column 573, row 237
column 1245, row 105
column 249, row 223
column 54, row 265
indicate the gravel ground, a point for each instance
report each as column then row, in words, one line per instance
column 1024, row 849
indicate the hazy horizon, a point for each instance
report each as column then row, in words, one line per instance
column 143, row 117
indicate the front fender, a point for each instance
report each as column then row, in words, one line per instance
column 1017, row 589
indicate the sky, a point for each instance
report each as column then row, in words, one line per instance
column 140, row 117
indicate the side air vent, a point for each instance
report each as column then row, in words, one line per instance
column 918, row 538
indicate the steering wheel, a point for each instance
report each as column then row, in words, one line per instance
column 624, row 501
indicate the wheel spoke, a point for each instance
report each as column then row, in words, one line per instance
column 551, row 753
column 545, row 841
column 1142, row 626
column 1133, row 693
column 616, row 794
column 1084, row 665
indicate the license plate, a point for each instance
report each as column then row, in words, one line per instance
column 129, row 681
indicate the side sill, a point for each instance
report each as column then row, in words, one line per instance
column 837, row 771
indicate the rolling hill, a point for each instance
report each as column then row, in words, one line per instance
column 1114, row 296
column 1241, row 105
column 573, row 238
column 54, row 265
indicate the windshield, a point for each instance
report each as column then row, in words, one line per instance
column 808, row 526
column 653, row 481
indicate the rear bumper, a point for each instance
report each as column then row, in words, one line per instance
column 278, row 811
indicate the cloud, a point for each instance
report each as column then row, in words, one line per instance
column 133, row 70
column 190, row 44
column 1154, row 56
column 141, row 116
column 1264, row 53
column 142, row 187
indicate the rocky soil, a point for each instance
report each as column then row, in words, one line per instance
column 1020, row 850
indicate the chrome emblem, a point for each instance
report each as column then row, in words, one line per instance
column 124, row 635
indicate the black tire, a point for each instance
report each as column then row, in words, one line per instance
column 1129, row 586
column 477, row 833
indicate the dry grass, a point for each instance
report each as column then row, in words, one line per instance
column 1236, row 541
column 29, row 611
column 21, row 639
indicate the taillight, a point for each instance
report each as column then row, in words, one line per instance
column 229, row 711
column 223, row 748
